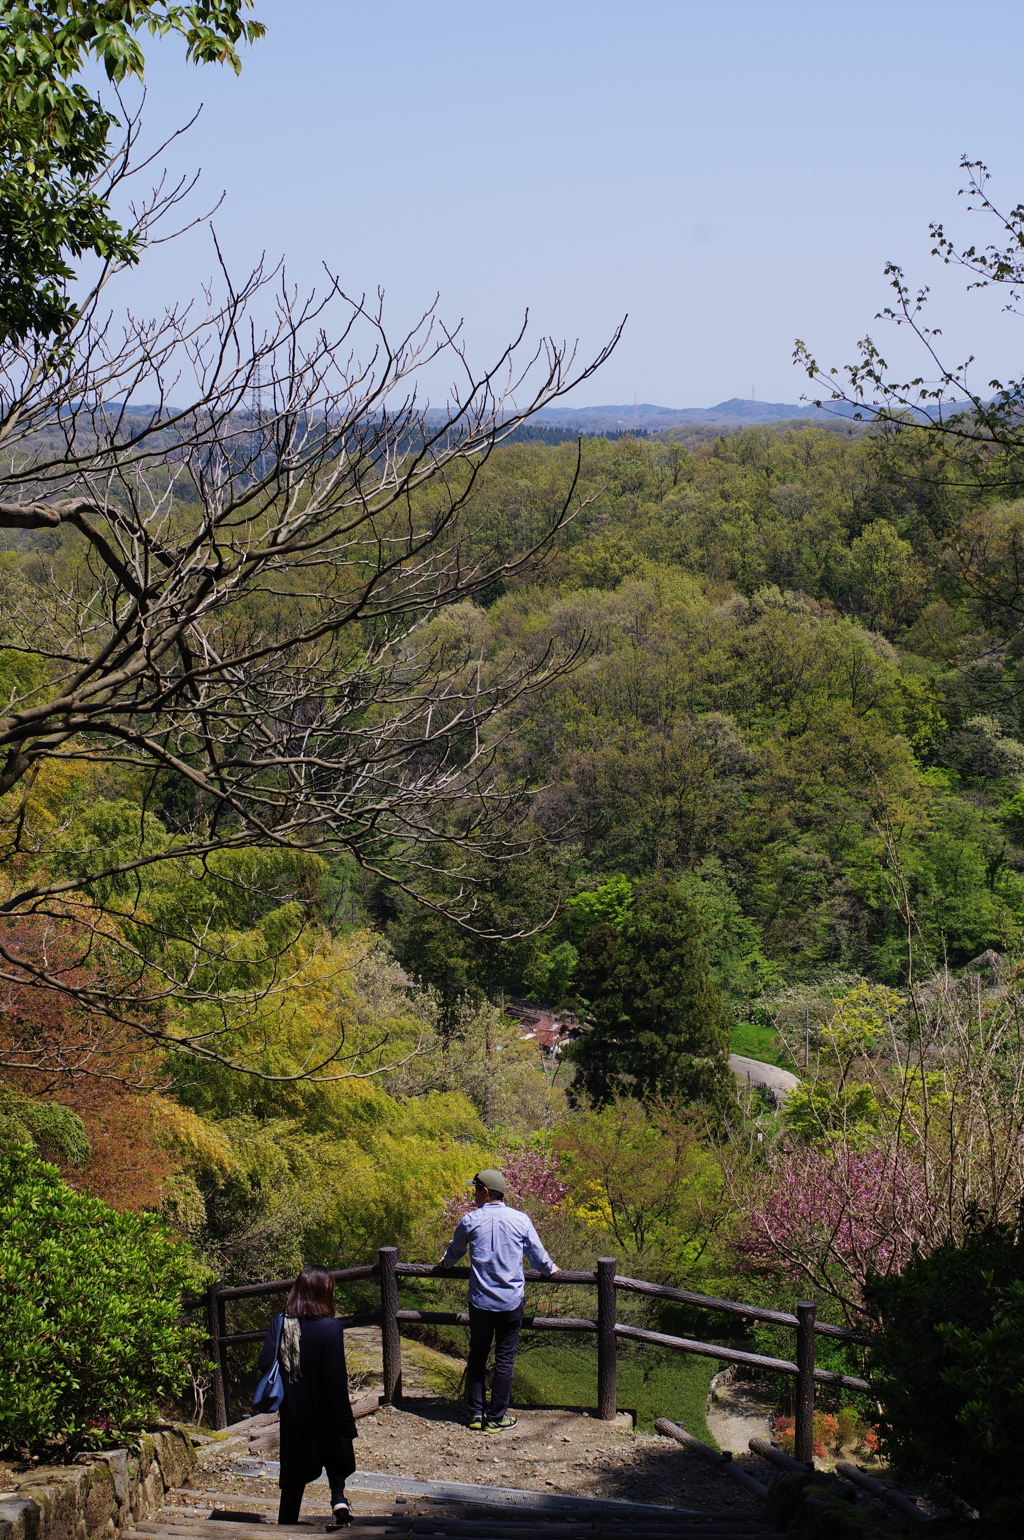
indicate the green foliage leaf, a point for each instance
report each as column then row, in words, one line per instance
column 54, row 137
column 949, row 1369
column 92, row 1326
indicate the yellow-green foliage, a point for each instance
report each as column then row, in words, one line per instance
column 864, row 1020
column 863, row 1016
column 644, row 1176
column 330, row 1168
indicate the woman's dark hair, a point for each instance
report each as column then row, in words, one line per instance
column 312, row 1294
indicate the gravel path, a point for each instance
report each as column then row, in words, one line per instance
column 549, row 1451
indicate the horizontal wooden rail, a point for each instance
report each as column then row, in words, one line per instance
column 434, row 1270
column 736, row 1307
column 362, row 1318
column 629, row 1285
column 533, row 1322
column 283, row 1285
column 653, row 1291
column 848, row 1381
column 605, row 1281
column 705, row 1349
column 736, row 1356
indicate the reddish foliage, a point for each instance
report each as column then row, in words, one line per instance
column 55, row 1048
column 130, row 1164
column 830, row 1434
column 44, row 1028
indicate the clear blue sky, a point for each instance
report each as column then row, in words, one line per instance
column 732, row 174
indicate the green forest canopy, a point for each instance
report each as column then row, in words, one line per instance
column 793, row 697
column 792, row 711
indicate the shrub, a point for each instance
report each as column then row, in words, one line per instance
column 833, row 1434
column 92, row 1338
column 534, row 1185
column 949, row 1368
column 52, row 1129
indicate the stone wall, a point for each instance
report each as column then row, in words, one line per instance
column 101, row 1494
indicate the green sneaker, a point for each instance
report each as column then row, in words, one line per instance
column 475, row 1424
column 499, row 1424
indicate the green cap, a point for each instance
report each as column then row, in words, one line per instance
column 492, row 1180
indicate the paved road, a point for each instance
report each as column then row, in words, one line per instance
column 780, row 1081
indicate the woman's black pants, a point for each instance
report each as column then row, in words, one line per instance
column 291, row 1492
column 502, row 1328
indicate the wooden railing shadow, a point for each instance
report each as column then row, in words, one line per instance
column 606, row 1327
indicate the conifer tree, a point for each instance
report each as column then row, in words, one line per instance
column 655, row 1026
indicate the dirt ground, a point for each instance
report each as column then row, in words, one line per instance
column 550, row 1451
column 738, row 1410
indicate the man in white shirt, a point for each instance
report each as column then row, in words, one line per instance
column 497, row 1237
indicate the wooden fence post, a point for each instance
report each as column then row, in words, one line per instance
column 804, row 1436
column 391, row 1342
column 606, row 1344
column 218, row 1350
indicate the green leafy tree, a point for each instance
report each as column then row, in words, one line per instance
column 948, row 1366
column 655, row 1023
column 497, row 952
column 55, row 177
column 607, row 905
column 93, row 1336
column 642, row 1174
column 876, row 576
column 863, row 1019
column 46, row 1126
column 816, row 1109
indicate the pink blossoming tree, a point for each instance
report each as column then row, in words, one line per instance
column 829, row 1216
column 533, row 1185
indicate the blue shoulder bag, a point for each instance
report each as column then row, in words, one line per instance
column 270, row 1390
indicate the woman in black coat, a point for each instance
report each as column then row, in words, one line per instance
column 317, row 1426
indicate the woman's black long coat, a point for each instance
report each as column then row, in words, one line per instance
column 317, row 1426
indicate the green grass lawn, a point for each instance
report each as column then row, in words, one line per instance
column 762, row 1043
column 651, row 1383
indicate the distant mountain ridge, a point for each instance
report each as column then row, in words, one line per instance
column 734, row 413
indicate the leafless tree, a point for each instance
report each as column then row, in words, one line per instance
column 965, row 432
column 256, row 593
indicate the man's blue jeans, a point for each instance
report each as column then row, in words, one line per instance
column 502, row 1328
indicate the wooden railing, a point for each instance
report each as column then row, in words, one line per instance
column 607, row 1282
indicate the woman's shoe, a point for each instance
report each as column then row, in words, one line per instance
column 499, row 1424
column 341, row 1513
column 475, row 1423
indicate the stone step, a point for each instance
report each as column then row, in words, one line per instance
column 448, row 1526
column 358, row 1530
column 497, row 1529
column 400, row 1508
column 459, row 1518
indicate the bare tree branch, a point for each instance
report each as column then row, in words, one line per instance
column 265, row 594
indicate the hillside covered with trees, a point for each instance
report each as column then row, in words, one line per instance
column 786, row 739
column 342, row 738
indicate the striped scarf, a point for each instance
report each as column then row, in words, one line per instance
column 289, row 1354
